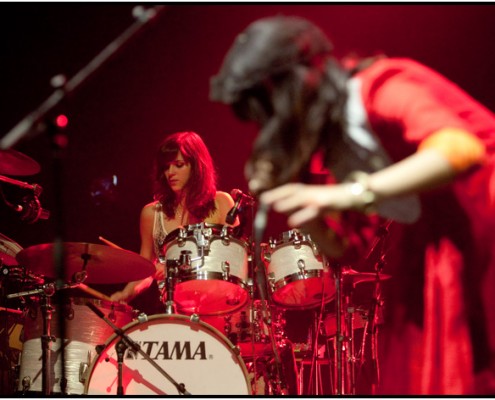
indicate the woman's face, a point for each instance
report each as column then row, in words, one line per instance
column 177, row 173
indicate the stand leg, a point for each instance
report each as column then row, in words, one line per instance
column 46, row 339
column 120, row 348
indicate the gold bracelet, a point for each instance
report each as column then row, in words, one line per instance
column 359, row 187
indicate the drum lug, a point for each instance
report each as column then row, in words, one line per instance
column 194, row 318
column 181, row 239
column 271, row 280
column 185, row 259
column 83, row 372
column 225, row 270
column 302, row 267
column 265, row 252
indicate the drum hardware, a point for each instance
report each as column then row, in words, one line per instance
column 11, row 310
column 314, row 373
column 185, row 259
column 172, row 272
column 225, row 270
column 346, row 359
column 38, row 337
column 46, row 291
column 29, row 207
column 262, row 282
column 371, row 326
column 122, row 345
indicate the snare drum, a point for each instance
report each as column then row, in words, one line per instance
column 299, row 276
column 212, row 269
column 190, row 352
column 84, row 330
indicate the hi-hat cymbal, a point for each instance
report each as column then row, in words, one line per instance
column 354, row 276
column 103, row 264
column 14, row 163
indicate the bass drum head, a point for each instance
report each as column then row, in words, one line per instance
column 191, row 353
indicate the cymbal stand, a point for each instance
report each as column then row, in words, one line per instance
column 261, row 280
column 339, row 336
column 349, row 310
column 46, row 291
column 371, row 328
column 126, row 342
column 314, row 352
column 46, row 339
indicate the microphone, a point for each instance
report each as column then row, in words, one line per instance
column 240, row 199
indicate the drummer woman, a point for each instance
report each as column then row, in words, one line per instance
column 185, row 193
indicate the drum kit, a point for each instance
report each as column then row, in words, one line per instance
column 218, row 336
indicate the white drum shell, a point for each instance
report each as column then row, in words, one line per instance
column 207, row 363
column 223, row 263
column 83, row 333
column 299, row 276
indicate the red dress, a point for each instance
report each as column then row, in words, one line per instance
column 439, row 335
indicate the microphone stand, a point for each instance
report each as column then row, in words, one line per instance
column 64, row 88
column 126, row 342
column 38, row 121
column 262, row 285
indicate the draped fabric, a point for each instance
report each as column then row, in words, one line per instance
column 439, row 332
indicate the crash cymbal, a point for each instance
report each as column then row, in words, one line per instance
column 14, row 163
column 354, row 276
column 103, row 264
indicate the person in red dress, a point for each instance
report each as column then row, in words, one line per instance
column 404, row 145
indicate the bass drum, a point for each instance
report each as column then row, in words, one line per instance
column 190, row 352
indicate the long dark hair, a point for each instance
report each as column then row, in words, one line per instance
column 281, row 73
column 201, row 187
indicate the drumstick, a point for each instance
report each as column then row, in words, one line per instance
column 94, row 292
column 108, row 242
column 11, row 310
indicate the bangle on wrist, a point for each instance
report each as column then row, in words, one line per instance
column 359, row 186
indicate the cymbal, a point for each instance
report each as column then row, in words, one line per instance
column 357, row 277
column 14, row 163
column 103, row 264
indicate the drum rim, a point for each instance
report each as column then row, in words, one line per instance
column 186, row 320
column 217, row 228
column 213, row 276
column 114, row 306
column 296, row 277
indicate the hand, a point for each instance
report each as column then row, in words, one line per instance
column 159, row 272
column 119, row 297
column 305, row 203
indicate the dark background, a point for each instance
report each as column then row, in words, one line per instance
column 159, row 83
